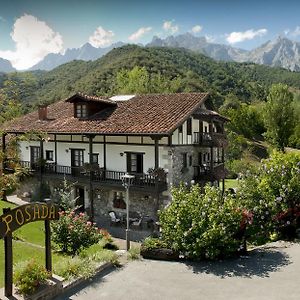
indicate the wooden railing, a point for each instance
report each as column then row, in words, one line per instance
column 206, row 138
column 205, row 171
column 98, row 175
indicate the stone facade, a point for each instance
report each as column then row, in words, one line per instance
column 143, row 203
column 177, row 172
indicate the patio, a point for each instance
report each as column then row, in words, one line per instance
column 117, row 230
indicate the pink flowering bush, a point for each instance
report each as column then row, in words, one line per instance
column 272, row 194
column 74, row 232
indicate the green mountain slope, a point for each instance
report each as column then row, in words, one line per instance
column 197, row 72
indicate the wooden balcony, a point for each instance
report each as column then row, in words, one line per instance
column 98, row 176
column 208, row 139
column 206, row 173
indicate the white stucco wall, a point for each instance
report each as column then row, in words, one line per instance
column 114, row 161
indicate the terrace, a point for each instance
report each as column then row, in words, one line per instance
column 96, row 175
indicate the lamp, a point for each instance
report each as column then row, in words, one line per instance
column 127, row 181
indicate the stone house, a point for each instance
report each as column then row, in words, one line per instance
column 162, row 139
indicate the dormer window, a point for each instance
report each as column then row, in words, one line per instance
column 81, row 110
column 87, row 106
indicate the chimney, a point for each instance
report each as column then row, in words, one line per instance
column 43, row 112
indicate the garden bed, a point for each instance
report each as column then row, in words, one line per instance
column 160, row 254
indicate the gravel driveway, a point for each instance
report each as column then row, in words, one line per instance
column 269, row 273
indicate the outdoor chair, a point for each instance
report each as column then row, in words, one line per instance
column 114, row 220
column 137, row 223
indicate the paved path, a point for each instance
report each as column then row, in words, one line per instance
column 270, row 273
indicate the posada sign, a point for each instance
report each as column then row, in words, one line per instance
column 13, row 219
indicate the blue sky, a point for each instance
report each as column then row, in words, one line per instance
column 31, row 29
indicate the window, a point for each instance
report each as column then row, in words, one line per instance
column 118, row 200
column 189, row 126
column 49, row 155
column 134, row 162
column 190, row 160
column 180, row 129
column 184, row 160
column 81, row 110
column 76, row 157
column 95, row 158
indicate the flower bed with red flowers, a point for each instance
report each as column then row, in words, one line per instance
column 74, row 232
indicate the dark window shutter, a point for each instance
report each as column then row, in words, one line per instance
column 128, row 155
column 139, row 163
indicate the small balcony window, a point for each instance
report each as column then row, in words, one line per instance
column 81, row 111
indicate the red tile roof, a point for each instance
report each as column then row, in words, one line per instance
column 87, row 98
column 143, row 114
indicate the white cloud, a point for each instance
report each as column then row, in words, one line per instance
column 101, row 37
column 197, row 28
column 236, row 37
column 139, row 33
column 295, row 32
column 34, row 39
column 169, row 26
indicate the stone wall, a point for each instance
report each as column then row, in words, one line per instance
column 177, row 173
column 141, row 202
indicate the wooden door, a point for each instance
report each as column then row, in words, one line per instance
column 76, row 161
column 35, row 155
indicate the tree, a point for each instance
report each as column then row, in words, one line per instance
column 140, row 81
column 279, row 115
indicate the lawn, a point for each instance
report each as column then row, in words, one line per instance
column 29, row 242
column 231, row 183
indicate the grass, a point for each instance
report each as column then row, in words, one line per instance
column 29, row 241
column 231, row 183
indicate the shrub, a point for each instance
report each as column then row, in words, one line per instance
column 73, row 232
column 74, row 267
column 272, row 193
column 29, row 277
column 134, row 253
column 151, row 243
column 201, row 224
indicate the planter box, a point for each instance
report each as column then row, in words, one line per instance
column 160, row 254
column 48, row 291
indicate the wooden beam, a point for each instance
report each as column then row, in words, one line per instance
column 91, row 137
column 48, row 257
column 104, row 152
column 8, row 262
column 156, row 154
column 55, row 150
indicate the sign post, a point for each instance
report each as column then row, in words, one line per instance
column 12, row 219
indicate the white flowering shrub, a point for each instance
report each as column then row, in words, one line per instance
column 202, row 224
column 272, row 194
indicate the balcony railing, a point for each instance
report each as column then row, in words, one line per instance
column 98, row 175
column 207, row 138
column 205, row 172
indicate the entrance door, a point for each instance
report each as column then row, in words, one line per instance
column 35, row 154
column 79, row 194
column 76, row 161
